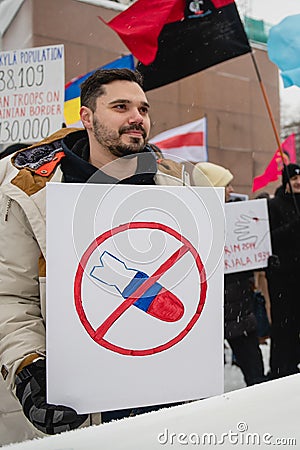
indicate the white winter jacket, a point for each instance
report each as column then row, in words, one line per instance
column 23, row 272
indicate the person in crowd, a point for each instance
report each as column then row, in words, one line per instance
column 262, row 304
column 283, row 274
column 210, row 174
column 112, row 148
column 240, row 325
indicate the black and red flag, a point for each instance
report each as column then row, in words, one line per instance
column 176, row 38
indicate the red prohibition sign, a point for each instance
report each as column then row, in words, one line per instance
column 98, row 334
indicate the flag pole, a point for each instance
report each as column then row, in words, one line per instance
column 264, row 93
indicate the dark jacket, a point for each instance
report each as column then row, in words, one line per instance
column 238, row 305
column 285, row 231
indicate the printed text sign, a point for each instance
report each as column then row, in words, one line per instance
column 31, row 93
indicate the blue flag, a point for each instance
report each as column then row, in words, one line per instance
column 284, row 49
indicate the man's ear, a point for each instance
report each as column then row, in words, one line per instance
column 86, row 116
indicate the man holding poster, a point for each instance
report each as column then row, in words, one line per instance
column 115, row 114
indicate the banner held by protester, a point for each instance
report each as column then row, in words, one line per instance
column 248, row 242
column 31, row 93
column 138, row 310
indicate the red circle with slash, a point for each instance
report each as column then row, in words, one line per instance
column 98, row 334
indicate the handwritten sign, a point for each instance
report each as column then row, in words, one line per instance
column 248, row 243
column 140, row 294
column 31, row 93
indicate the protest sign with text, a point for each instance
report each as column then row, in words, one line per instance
column 31, row 93
column 248, row 243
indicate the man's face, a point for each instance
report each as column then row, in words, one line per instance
column 121, row 122
column 295, row 183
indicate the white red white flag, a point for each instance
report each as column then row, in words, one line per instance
column 184, row 143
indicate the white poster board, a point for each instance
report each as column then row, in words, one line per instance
column 31, row 93
column 110, row 353
column 248, row 242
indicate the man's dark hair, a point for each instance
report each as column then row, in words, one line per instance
column 93, row 87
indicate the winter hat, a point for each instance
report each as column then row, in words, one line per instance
column 292, row 169
column 209, row 174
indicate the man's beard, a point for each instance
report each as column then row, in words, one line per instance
column 111, row 140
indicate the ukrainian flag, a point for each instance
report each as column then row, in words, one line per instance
column 72, row 89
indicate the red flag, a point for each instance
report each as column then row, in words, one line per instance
column 176, row 38
column 140, row 25
column 274, row 169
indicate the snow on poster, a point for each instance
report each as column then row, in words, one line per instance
column 248, row 242
column 134, row 295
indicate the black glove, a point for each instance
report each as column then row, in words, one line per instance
column 31, row 392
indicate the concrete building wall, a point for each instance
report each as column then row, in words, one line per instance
column 240, row 134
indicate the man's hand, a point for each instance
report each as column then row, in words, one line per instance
column 31, row 392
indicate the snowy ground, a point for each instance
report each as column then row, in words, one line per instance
column 245, row 418
column 233, row 375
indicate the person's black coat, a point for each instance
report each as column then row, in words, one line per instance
column 238, row 305
column 285, row 231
